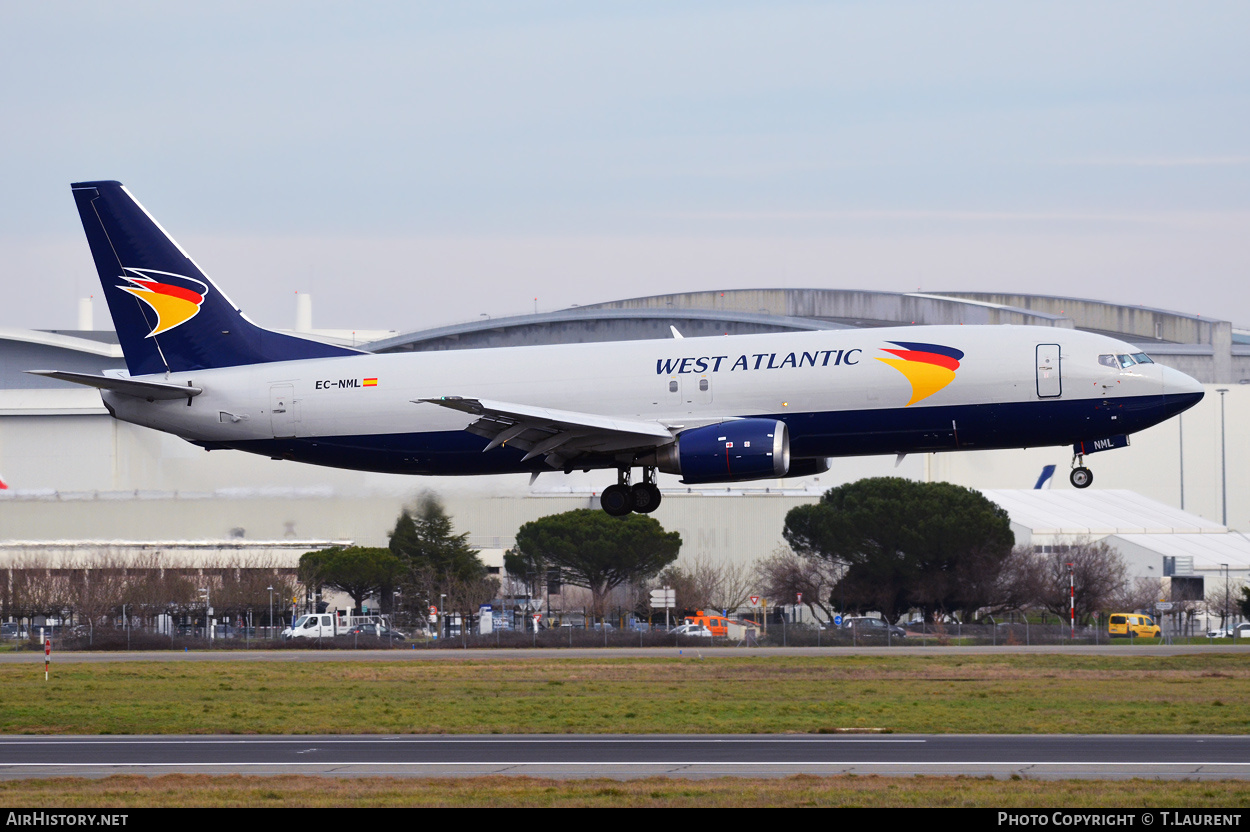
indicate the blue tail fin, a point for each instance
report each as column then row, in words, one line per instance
column 1048, row 471
column 169, row 316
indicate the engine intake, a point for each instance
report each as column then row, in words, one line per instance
column 744, row 449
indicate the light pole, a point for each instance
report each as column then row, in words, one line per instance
column 270, row 588
column 1072, row 600
column 1227, row 613
column 1223, row 460
column 1180, row 429
column 208, row 610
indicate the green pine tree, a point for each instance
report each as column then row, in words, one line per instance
column 438, row 563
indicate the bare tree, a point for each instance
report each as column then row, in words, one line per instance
column 33, row 589
column 94, row 589
column 784, row 574
column 1020, row 582
column 152, row 589
column 735, row 587
column 700, row 583
column 1223, row 598
column 243, row 585
column 1097, row 570
column 1136, row 594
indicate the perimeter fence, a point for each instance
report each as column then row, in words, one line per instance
column 118, row 639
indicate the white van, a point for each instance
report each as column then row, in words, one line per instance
column 313, row 625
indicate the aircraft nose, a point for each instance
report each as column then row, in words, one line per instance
column 1176, row 383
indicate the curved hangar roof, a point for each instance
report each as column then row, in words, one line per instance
column 773, row 310
column 1206, row 348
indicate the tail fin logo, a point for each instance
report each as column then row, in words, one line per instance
column 174, row 298
column 929, row 367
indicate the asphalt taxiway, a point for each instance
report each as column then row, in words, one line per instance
column 626, row 757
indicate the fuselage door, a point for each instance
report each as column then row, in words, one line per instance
column 671, row 394
column 703, row 386
column 1049, row 380
column 282, row 409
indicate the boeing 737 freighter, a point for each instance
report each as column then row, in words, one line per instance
column 711, row 410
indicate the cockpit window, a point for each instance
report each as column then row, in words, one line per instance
column 1126, row 361
column 1142, row 358
column 1108, row 361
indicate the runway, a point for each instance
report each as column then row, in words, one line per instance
column 626, row 757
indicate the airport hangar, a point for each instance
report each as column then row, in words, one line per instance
column 83, row 486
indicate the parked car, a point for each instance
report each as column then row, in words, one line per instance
column 1132, row 625
column 1240, row 631
column 11, row 630
column 693, row 630
column 376, row 632
column 862, row 626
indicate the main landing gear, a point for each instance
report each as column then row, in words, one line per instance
column 1081, row 477
column 622, row 498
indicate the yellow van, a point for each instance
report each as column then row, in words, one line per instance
column 1132, row 625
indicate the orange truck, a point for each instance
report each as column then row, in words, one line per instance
column 718, row 624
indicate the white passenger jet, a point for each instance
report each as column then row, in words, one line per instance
column 711, row 410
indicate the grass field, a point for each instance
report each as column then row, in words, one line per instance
column 883, row 792
column 905, row 694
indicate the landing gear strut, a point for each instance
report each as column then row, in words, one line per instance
column 622, row 498
column 1081, row 477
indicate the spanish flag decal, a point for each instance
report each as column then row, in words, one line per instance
column 371, row 382
column 929, row 367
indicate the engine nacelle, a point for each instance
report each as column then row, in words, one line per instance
column 808, row 466
column 744, row 449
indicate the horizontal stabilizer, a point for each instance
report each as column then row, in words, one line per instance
column 149, row 390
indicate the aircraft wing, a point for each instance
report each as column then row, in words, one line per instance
column 558, row 435
column 150, row 390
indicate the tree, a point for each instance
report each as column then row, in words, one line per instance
column 700, row 583
column 358, row 571
column 1098, row 573
column 783, row 575
column 244, row 586
column 437, row 562
column 1223, row 598
column 935, row 546
column 594, row 550
column 423, row 540
column 1019, row 582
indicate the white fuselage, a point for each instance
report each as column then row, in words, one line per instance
column 833, row 388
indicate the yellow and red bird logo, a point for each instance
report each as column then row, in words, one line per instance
column 173, row 304
column 929, row 367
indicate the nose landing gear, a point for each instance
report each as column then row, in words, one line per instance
column 622, row 498
column 1081, row 477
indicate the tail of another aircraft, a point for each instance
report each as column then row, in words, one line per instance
column 169, row 316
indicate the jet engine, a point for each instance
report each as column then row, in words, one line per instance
column 744, row 449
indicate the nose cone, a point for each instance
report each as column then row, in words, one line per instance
column 1181, row 387
column 1177, row 383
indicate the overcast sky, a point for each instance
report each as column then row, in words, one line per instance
column 414, row 164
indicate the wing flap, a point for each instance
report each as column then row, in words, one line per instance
column 557, row 435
